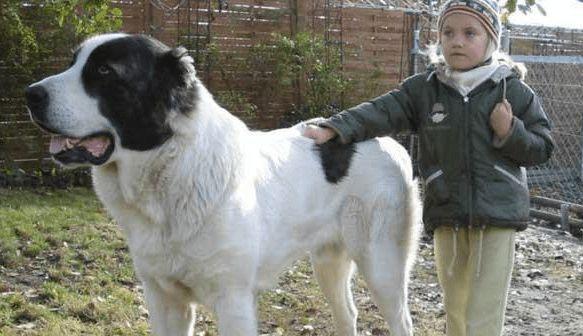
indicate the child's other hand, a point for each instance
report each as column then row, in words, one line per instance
column 319, row 134
column 501, row 119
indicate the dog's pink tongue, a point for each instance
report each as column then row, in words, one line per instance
column 97, row 146
column 58, row 144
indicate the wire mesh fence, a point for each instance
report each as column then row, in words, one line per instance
column 558, row 81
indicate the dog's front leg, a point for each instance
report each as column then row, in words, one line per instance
column 170, row 315
column 235, row 311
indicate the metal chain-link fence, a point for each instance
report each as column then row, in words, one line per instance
column 558, row 81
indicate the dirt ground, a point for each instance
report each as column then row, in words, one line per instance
column 546, row 295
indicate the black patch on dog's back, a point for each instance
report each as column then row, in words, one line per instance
column 336, row 158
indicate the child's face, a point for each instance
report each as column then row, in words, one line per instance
column 464, row 41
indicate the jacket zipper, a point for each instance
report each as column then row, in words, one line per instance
column 468, row 125
column 469, row 165
column 467, row 121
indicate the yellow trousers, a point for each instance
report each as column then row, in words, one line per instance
column 474, row 268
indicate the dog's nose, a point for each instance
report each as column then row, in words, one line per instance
column 37, row 97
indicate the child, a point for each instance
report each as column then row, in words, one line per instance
column 478, row 126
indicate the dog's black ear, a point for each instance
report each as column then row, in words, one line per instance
column 175, row 79
column 176, row 67
column 179, row 52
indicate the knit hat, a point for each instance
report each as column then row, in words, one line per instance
column 486, row 11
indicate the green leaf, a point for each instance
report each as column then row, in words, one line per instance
column 45, row 28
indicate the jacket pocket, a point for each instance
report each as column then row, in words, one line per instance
column 519, row 180
column 505, row 196
column 436, row 188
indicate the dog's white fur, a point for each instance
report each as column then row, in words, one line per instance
column 218, row 211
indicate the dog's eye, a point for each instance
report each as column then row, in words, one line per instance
column 104, row 70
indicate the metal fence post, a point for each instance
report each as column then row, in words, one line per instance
column 565, row 217
column 415, row 50
column 581, row 172
column 414, row 69
column 505, row 40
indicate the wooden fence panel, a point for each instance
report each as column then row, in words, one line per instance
column 373, row 44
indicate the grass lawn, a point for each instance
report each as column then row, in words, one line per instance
column 65, row 270
column 64, row 267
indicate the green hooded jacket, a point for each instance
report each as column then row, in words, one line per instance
column 471, row 177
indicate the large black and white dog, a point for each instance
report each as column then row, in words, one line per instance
column 212, row 211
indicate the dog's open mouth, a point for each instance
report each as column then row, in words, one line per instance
column 95, row 149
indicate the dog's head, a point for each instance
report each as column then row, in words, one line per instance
column 119, row 90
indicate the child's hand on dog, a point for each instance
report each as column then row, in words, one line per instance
column 319, row 134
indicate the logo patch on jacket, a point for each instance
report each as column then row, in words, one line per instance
column 437, row 113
